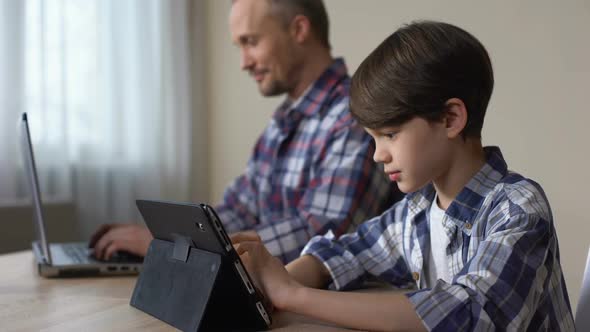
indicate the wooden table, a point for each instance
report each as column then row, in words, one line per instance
column 29, row 302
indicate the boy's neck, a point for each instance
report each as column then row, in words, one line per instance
column 466, row 161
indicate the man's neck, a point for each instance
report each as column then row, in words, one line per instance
column 465, row 163
column 313, row 67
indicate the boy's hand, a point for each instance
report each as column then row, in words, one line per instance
column 268, row 272
column 245, row 236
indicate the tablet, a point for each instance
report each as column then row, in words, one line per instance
column 234, row 303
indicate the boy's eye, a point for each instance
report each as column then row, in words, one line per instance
column 390, row 135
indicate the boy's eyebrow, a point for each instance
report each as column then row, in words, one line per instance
column 387, row 129
column 379, row 131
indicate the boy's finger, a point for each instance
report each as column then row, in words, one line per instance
column 245, row 237
column 243, row 247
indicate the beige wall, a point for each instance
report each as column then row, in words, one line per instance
column 540, row 52
column 61, row 225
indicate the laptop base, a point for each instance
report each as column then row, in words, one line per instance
column 73, row 270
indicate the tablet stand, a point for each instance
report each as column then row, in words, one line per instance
column 193, row 289
column 176, row 283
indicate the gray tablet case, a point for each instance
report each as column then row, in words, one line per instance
column 192, row 278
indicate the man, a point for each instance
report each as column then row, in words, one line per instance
column 311, row 170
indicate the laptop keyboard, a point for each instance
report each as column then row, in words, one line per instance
column 124, row 257
column 78, row 253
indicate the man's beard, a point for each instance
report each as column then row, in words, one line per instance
column 275, row 88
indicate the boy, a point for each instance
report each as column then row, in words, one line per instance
column 476, row 240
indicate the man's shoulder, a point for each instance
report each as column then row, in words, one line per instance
column 335, row 116
column 339, row 94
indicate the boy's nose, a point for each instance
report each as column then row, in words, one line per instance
column 381, row 156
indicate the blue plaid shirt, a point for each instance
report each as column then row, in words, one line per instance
column 311, row 171
column 503, row 254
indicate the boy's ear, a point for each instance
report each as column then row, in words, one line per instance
column 455, row 117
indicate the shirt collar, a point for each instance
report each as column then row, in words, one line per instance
column 315, row 95
column 465, row 207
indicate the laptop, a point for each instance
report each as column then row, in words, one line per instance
column 65, row 259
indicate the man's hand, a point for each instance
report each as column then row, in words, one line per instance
column 110, row 238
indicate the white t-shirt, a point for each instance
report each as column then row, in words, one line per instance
column 438, row 262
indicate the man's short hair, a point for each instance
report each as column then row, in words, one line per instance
column 416, row 70
column 314, row 10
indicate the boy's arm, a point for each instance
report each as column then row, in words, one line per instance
column 375, row 249
column 309, row 272
column 293, row 289
column 375, row 311
column 372, row 311
column 306, row 270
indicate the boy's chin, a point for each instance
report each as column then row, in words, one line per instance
column 407, row 188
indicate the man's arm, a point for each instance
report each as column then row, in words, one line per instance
column 239, row 209
column 346, row 188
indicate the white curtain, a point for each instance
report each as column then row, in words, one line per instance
column 107, row 87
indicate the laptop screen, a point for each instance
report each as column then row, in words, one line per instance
column 31, row 170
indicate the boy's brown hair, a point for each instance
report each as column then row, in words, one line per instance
column 416, row 70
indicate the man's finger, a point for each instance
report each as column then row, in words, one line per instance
column 110, row 250
column 102, row 244
column 99, row 233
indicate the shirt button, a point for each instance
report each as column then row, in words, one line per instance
column 467, row 225
column 416, row 275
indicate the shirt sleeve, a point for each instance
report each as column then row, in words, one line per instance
column 375, row 249
column 239, row 208
column 502, row 285
column 345, row 186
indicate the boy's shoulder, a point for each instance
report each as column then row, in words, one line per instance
column 515, row 202
column 494, row 198
column 520, row 195
column 509, row 196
